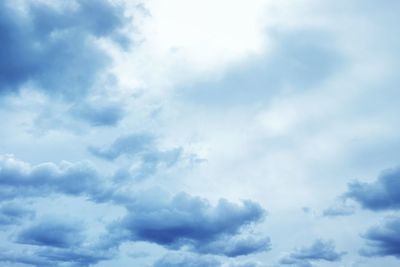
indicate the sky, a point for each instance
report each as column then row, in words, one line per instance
column 214, row 133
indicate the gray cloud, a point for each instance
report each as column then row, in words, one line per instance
column 52, row 233
column 382, row 194
column 186, row 221
column 55, row 48
column 383, row 240
column 19, row 179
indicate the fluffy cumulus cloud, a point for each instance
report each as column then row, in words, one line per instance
column 181, row 221
column 382, row 194
column 19, row 179
column 320, row 250
column 54, row 46
column 158, row 133
column 191, row 222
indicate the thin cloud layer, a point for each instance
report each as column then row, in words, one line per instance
column 13, row 214
column 320, row 250
column 179, row 260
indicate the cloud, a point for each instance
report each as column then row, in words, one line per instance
column 12, row 214
column 338, row 209
column 56, row 241
column 53, row 233
column 302, row 59
column 77, row 257
column 236, row 246
column 383, row 240
column 131, row 145
column 192, row 222
column 382, row 194
column 29, row 259
column 19, row 179
column 142, row 148
column 320, row 250
column 53, row 257
column 98, row 114
column 54, row 47
column 186, row 260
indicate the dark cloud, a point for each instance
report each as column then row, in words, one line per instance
column 19, row 179
column 182, row 221
column 55, row 48
column 52, row 233
column 186, row 260
column 186, row 221
column 58, row 241
column 382, row 194
column 383, row 240
column 12, row 214
column 320, row 250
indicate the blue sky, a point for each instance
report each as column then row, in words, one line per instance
column 199, row 133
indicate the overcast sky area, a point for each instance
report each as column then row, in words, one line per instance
column 213, row 133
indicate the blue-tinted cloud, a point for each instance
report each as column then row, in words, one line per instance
column 143, row 150
column 320, row 250
column 236, row 246
column 54, row 257
column 74, row 257
column 54, row 47
column 58, row 241
column 98, row 114
column 19, row 179
column 186, row 221
column 338, row 209
column 131, row 145
column 12, row 214
column 383, row 240
column 52, row 233
column 382, row 194
column 186, row 260
column 7, row 257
